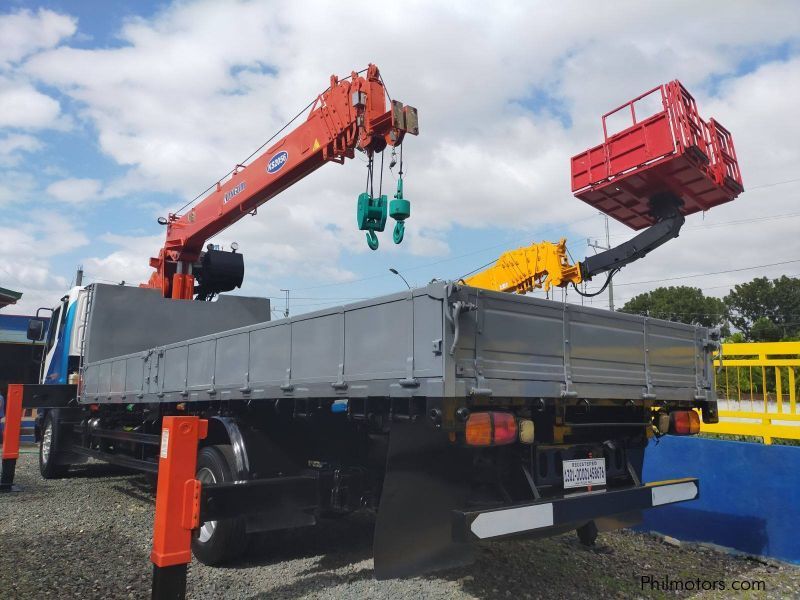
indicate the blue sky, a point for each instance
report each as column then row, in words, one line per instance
column 114, row 114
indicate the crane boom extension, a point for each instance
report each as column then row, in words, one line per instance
column 351, row 114
column 525, row 269
column 545, row 264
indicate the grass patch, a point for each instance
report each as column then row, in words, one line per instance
column 749, row 438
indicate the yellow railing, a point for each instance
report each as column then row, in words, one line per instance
column 760, row 377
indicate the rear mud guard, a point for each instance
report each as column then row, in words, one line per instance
column 427, row 479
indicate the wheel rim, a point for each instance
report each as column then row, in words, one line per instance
column 47, row 440
column 204, row 475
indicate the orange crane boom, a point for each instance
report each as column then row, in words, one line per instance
column 350, row 115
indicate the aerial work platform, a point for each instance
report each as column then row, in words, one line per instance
column 673, row 151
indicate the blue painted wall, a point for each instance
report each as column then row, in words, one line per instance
column 27, row 430
column 749, row 494
column 13, row 328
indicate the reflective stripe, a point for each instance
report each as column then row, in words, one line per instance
column 513, row 520
column 676, row 492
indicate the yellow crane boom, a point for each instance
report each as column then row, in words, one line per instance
column 540, row 265
column 545, row 264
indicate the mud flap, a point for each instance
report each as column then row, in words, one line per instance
column 427, row 478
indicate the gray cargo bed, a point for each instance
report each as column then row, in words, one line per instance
column 437, row 341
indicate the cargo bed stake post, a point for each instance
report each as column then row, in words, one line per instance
column 11, row 437
column 177, row 505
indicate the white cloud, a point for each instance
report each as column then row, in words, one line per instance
column 425, row 242
column 37, row 282
column 757, row 109
column 12, row 146
column 28, row 248
column 500, row 115
column 43, row 234
column 129, row 262
column 24, row 32
column 74, row 190
column 16, row 187
column 274, row 250
column 23, row 106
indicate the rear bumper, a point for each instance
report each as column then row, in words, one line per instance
column 573, row 509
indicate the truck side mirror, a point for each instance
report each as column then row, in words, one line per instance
column 36, row 330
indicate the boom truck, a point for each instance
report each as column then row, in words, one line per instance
column 457, row 411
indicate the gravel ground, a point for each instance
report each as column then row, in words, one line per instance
column 89, row 537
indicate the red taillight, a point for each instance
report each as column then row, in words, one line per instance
column 505, row 428
column 490, row 429
column 684, row 422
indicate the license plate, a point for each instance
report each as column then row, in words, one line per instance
column 584, row 472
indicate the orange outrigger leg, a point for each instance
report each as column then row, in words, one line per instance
column 11, row 437
column 177, row 505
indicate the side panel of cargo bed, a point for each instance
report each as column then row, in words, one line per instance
column 514, row 346
column 390, row 346
column 438, row 341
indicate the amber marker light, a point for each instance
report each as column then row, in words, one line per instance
column 684, row 422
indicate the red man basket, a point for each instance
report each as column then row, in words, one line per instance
column 672, row 151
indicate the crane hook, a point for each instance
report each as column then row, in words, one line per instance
column 399, row 210
column 372, row 240
column 399, row 231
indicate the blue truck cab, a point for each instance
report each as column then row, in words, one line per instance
column 61, row 357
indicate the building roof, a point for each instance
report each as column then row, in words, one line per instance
column 8, row 297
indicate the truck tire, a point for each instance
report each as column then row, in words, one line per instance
column 218, row 542
column 49, row 466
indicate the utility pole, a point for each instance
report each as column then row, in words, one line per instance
column 597, row 246
column 286, row 310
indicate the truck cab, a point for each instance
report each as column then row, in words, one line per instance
column 62, row 338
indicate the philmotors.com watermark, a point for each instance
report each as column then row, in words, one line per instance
column 670, row 584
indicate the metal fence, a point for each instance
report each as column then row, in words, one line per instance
column 757, row 386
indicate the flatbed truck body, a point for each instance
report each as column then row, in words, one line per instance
column 375, row 404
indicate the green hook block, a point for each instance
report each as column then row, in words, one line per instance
column 400, row 209
column 371, row 212
column 371, row 216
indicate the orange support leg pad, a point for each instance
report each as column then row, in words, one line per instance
column 11, row 437
column 176, row 504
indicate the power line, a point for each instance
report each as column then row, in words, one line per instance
column 767, row 185
column 785, row 262
column 742, row 221
column 539, row 233
column 515, row 242
column 542, row 233
column 713, row 225
column 725, row 223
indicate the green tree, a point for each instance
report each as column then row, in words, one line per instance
column 679, row 303
column 766, row 310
